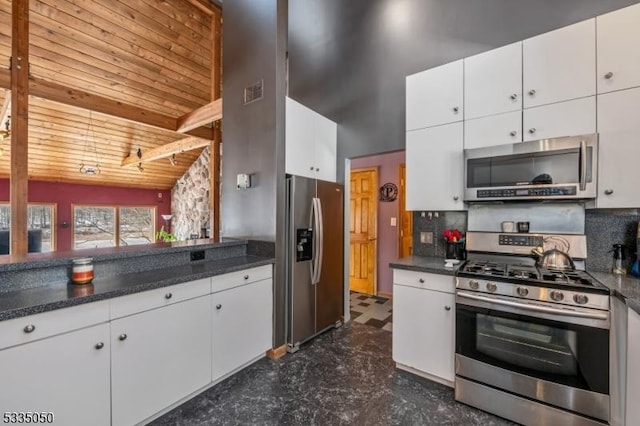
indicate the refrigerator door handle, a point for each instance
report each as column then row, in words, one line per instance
column 320, row 241
column 313, row 223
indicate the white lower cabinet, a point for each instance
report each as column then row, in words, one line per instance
column 159, row 357
column 424, row 324
column 242, row 325
column 66, row 375
column 633, row 370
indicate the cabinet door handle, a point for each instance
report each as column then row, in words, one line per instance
column 218, row 306
column 168, row 296
column 532, row 130
column 99, row 345
column 311, row 168
column 532, row 92
column 29, row 328
column 421, row 280
column 513, row 133
column 608, row 75
column 317, row 169
column 455, row 198
column 456, row 109
column 606, row 191
column 447, row 308
column 246, row 277
column 514, row 96
column 122, row 337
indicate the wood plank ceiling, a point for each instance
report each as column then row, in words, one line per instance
column 153, row 54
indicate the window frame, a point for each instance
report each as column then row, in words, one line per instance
column 54, row 220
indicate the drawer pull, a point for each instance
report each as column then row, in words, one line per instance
column 246, row 277
column 447, row 308
column 99, row 345
column 421, row 280
column 122, row 337
column 608, row 75
column 29, row 328
column 218, row 306
column 168, row 296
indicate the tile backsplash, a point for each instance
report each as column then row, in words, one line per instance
column 603, row 228
column 431, row 223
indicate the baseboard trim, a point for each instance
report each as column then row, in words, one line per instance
column 385, row 295
column 276, row 353
column 425, row 375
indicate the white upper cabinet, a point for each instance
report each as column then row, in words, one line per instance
column 576, row 117
column 311, row 143
column 434, row 168
column 493, row 82
column 619, row 150
column 435, row 96
column 619, row 49
column 493, row 130
column 560, row 65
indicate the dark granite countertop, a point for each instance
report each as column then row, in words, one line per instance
column 57, row 295
column 625, row 286
column 430, row 264
column 43, row 260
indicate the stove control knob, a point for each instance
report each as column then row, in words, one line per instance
column 580, row 299
column 523, row 291
column 474, row 285
column 491, row 287
column 557, row 295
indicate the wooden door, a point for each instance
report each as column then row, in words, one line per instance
column 363, row 230
column 406, row 217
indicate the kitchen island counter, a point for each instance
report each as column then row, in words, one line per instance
column 624, row 286
column 60, row 294
column 430, row 264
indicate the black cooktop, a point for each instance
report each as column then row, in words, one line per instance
column 528, row 274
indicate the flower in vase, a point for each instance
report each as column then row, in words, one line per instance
column 452, row 235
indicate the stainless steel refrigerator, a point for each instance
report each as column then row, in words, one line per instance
column 315, row 258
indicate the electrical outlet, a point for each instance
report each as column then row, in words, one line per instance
column 426, row 237
column 196, row 255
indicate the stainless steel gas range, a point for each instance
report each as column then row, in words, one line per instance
column 532, row 343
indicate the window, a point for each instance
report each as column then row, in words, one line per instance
column 110, row 226
column 41, row 233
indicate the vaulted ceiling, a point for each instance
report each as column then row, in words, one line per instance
column 155, row 55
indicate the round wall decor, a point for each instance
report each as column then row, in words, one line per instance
column 388, row 192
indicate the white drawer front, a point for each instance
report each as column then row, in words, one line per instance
column 425, row 280
column 139, row 302
column 235, row 279
column 34, row 327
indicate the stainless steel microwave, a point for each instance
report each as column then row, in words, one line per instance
column 557, row 168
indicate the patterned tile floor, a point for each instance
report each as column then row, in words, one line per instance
column 371, row 310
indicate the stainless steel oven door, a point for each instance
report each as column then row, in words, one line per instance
column 541, row 351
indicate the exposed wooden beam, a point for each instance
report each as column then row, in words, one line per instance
column 203, row 5
column 206, row 114
column 81, row 99
column 186, row 144
column 19, row 77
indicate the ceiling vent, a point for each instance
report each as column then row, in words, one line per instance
column 253, row 93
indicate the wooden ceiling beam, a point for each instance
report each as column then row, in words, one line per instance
column 186, row 144
column 203, row 5
column 81, row 99
column 207, row 114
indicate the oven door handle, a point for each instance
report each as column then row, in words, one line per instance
column 602, row 316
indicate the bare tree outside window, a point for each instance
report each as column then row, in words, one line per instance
column 94, row 227
column 39, row 216
column 137, row 225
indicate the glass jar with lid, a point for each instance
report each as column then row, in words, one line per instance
column 82, row 270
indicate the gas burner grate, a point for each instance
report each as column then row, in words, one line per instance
column 523, row 272
column 485, row 268
column 569, row 277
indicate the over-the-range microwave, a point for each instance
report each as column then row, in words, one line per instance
column 557, row 168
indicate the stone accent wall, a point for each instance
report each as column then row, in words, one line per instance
column 190, row 199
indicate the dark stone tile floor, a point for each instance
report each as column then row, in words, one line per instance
column 344, row 377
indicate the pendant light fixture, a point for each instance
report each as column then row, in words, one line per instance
column 87, row 169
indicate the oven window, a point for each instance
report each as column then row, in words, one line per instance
column 573, row 355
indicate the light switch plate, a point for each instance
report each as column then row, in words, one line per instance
column 426, row 237
column 394, row 221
